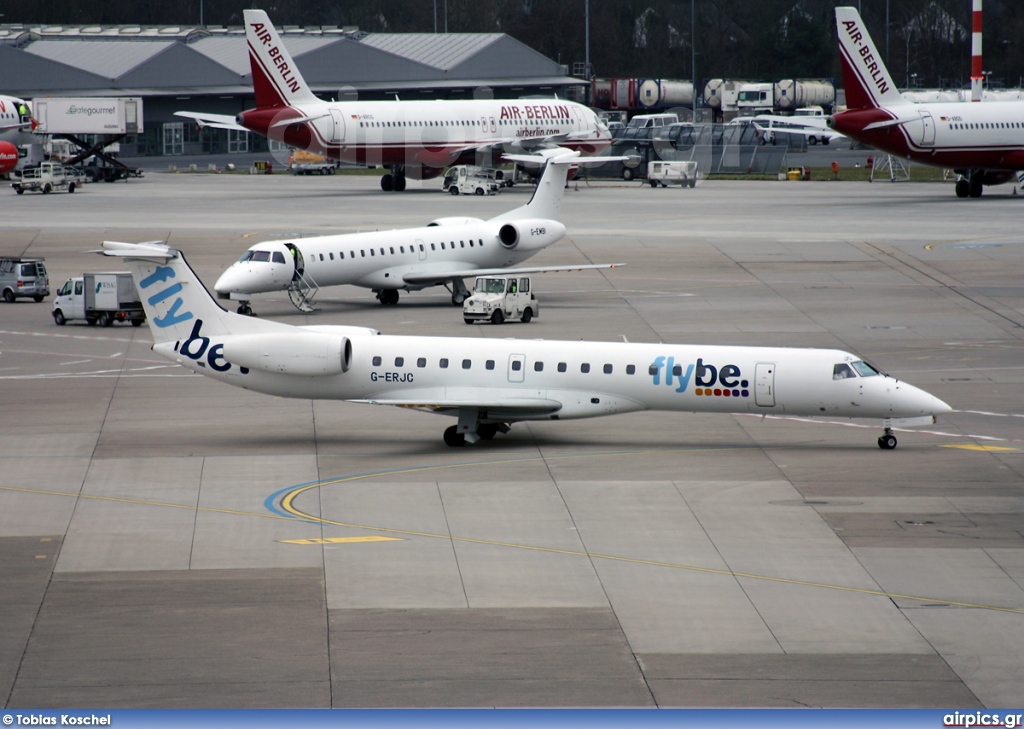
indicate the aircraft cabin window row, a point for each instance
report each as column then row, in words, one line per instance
column 990, row 125
column 278, row 258
column 517, row 365
column 462, row 123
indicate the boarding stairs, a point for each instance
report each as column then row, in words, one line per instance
column 302, row 291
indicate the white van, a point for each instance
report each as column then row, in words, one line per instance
column 22, row 278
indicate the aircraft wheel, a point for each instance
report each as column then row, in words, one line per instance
column 245, row 309
column 388, row 297
column 453, row 438
column 387, row 182
column 58, row 318
column 453, row 190
column 975, row 188
column 399, row 183
column 8, row 296
column 887, row 442
column 488, row 431
column 458, row 298
column 963, row 187
column 824, row 141
column 527, row 315
column 19, row 190
column 498, row 317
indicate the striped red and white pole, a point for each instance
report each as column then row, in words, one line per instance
column 977, row 77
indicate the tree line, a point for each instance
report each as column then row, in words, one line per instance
column 925, row 43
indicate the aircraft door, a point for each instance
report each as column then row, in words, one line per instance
column 928, row 129
column 764, row 384
column 578, row 122
column 338, row 128
column 300, row 266
column 516, row 367
column 494, row 126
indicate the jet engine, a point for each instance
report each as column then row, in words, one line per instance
column 308, row 354
column 530, row 234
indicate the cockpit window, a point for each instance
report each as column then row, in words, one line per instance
column 864, row 369
column 262, row 256
column 279, row 257
column 245, row 257
column 842, row 371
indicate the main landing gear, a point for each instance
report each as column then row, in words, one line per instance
column 388, row 297
column 459, row 291
column 487, row 431
column 470, row 429
column 393, row 181
column 969, row 185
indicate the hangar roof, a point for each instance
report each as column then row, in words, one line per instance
column 89, row 60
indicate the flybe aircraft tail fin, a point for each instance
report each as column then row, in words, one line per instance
column 275, row 77
column 175, row 300
column 867, row 80
column 546, row 202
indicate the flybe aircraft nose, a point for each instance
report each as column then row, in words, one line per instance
column 911, row 401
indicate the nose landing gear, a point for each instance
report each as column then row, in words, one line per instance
column 887, row 441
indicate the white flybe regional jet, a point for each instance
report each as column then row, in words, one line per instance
column 416, row 139
column 442, row 253
column 488, row 384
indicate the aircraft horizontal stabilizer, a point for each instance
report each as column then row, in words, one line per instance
column 150, row 250
column 892, row 122
column 214, row 121
column 422, row 278
column 571, row 158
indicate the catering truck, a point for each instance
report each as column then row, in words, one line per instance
column 99, row 298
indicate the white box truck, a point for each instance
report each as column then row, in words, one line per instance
column 99, row 298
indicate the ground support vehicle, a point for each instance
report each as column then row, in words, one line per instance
column 497, row 298
column 672, row 173
column 22, row 278
column 99, row 298
column 302, row 162
column 471, row 180
column 46, row 178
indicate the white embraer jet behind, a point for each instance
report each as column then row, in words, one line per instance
column 487, row 384
column 442, row 253
column 416, row 139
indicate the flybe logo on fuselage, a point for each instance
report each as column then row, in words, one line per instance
column 708, row 379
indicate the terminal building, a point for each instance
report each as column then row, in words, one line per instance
column 206, row 69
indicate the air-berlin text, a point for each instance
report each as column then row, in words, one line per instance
column 276, row 56
column 534, row 111
column 866, row 57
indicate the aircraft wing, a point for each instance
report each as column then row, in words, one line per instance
column 446, row 276
column 214, row 121
column 497, row 402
